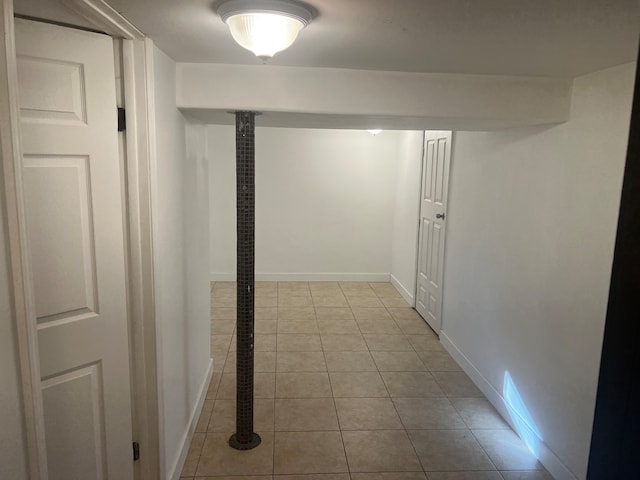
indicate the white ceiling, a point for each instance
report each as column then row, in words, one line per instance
column 509, row 37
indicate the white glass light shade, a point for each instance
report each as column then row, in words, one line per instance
column 265, row 34
column 374, row 131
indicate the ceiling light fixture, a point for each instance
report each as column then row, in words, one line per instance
column 265, row 27
column 374, row 131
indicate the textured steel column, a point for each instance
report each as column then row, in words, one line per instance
column 245, row 438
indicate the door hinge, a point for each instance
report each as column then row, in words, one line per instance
column 136, row 451
column 122, row 120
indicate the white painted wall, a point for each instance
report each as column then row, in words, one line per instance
column 324, row 203
column 532, row 219
column 13, row 461
column 180, row 242
column 404, row 244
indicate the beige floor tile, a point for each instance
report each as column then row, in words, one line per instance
column 293, row 301
column 297, row 289
column 367, row 414
column 193, row 455
column 439, row 362
column 428, row 413
column 266, row 289
column 449, row 450
column 506, row 450
column 394, row 302
column 411, row 384
column 265, row 301
column 425, row 343
column 378, row 327
column 265, row 343
column 298, row 326
column 264, row 362
column 341, row 327
column 226, row 301
column 478, row 413
column 296, row 313
column 414, row 327
column 388, row 343
column 398, row 361
column 303, row 385
column 456, row 384
column 404, row 312
column 355, row 286
column 264, row 386
column 309, row 452
column 218, row 458
column 371, row 313
column 343, row 343
column 389, row 476
column 219, row 359
column 350, row 362
column 337, row 300
column 214, row 383
column 301, row 362
column 223, row 416
column 235, row 477
column 526, row 475
column 223, row 313
column 334, row 313
column 380, row 451
column 291, row 342
column 364, row 302
column 477, row 475
column 357, row 384
column 266, row 327
column 220, row 343
column 305, row 415
column 223, row 327
column 224, row 285
column 205, row 414
column 266, row 313
column 317, row 476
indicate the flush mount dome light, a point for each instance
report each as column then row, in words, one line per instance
column 265, row 27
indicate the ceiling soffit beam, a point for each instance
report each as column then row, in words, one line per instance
column 478, row 99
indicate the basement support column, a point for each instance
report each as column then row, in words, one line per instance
column 245, row 438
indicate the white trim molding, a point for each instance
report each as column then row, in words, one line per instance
column 23, row 302
column 105, row 18
column 140, row 257
column 409, row 298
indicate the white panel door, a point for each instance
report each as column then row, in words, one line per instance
column 74, row 217
column 433, row 206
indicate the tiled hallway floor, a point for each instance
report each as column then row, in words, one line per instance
column 350, row 384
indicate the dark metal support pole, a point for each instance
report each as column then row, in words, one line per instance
column 245, row 438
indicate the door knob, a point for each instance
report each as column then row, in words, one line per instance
column 440, row 215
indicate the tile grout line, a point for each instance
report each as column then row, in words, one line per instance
column 333, row 398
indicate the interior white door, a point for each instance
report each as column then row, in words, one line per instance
column 74, row 217
column 433, row 207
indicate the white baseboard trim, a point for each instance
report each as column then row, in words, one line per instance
column 551, row 462
column 408, row 296
column 305, row 277
column 176, row 468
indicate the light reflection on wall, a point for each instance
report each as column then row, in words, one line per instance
column 522, row 420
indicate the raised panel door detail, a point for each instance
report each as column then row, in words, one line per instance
column 51, row 91
column 74, row 425
column 58, row 205
column 427, row 184
column 439, row 177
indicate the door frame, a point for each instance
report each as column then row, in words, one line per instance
column 140, row 143
column 419, row 221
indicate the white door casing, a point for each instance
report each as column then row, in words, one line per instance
column 433, row 207
column 74, row 218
